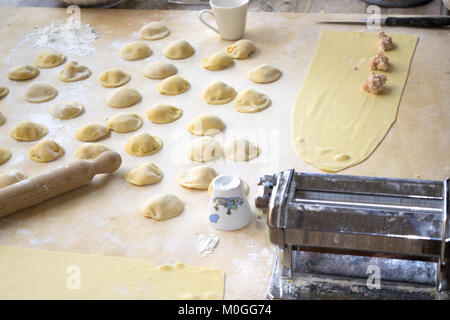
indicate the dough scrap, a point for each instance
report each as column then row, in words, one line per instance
column 90, row 151
column 379, row 62
column 114, row 78
column 46, row 151
column 264, row 73
column 241, row 150
column 144, row 174
column 217, row 61
column 123, row 97
column 159, row 70
column 173, row 85
column 8, row 178
column 206, row 125
column 218, row 93
column 91, row 132
column 5, row 155
column 154, row 30
column 163, row 113
column 243, row 183
column 143, row 144
column 72, row 71
column 49, row 59
column 136, row 50
column 180, row 49
column 26, row 72
column 125, row 122
column 3, row 92
column 40, row 92
column 162, row 207
column 28, row 131
column 2, row 119
column 204, row 149
column 197, row 178
column 65, row 110
column 241, row 49
column 250, row 101
column 375, row 83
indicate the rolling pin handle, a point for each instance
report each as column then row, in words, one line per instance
column 107, row 162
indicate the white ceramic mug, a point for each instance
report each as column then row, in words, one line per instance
column 228, row 206
column 230, row 16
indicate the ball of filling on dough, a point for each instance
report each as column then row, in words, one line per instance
column 136, row 50
column 197, row 178
column 163, row 113
column 162, row 207
column 3, row 92
column 72, row 71
column 218, row 93
column 49, row 59
column 264, row 73
column 154, row 30
column 40, row 92
column 180, row 49
column 91, row 132
column 250, row 101
column 46, row 151
column 113, row 78
column 173, row 85
column 143, row 144
column 206, row 125
column 217, row 61
column 5, row 155
column 241, row 49
column 243, row 184
column 144, row 174
column 26, row 72
column 123, row 97
column 2, row 119
column 10, row 177
column 204, row 149
column 28, row 131
column 90, row 151
column 125, row 122
column 65, row 110
column 241, row 150
column 159, row 70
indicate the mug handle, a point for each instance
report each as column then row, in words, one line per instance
column 200, row 16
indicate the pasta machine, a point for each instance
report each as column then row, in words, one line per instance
column 351, row 237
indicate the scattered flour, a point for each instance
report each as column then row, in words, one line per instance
column 207, row 243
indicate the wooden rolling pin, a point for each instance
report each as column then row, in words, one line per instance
column 28, row 192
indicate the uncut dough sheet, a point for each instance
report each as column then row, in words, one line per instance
column 336, row 124
column 38, row 274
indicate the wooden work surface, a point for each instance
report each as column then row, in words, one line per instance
column 103, row 219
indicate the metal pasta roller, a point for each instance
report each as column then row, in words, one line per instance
column 349, row 237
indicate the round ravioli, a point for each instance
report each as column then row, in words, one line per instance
column 218, row 93
column 143, row 144
column 217, row 61
column 26, row 72
column 90, row 151
column 2, row 119
column 3, row 92
column 173, row 85
column 72, row 72
column 250, row 101
column 28, row 131
column 154, row 30
column 46, row 151
column 163, row 113
column 5, row 155
column 65, row 110
column 264, row 73
column 180, row 49
column 159, row 70
column 241, row 150
column 123, row 98
column 114, row 78
column 125, row 122
column 144, row 174
column 49, row 59
column 91, row 132
column 197, row 178
column 10, row 177
column 40, row 92
column 136, row 50
column 206, row 125
column 241, row 49
column 162, row 207
column 204, row 149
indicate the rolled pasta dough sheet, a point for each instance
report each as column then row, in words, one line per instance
column 336, row 124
